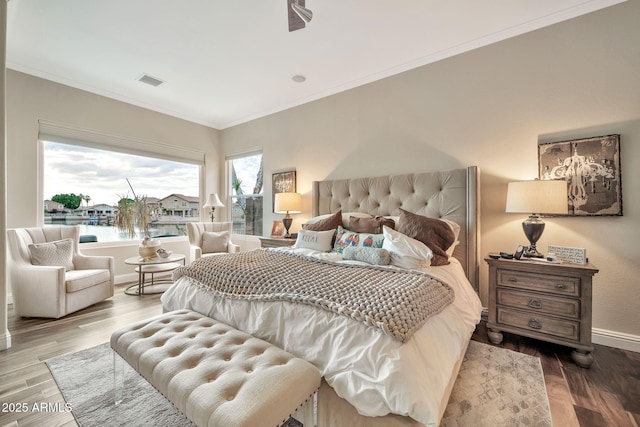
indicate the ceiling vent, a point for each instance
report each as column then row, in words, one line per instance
column 145, row 78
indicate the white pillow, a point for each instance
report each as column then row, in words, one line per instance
column 405, row 251
column 58, row 253
column 214, row 242
column 316, row 240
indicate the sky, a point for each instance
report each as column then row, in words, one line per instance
column 102, row 174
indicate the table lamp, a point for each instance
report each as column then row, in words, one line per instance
column 536, row 197
column 213, row 202
column 289, row 203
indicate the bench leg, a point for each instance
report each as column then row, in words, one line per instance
column 118, row 378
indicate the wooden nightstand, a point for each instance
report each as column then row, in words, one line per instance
column 276, row 242
column 549, row 302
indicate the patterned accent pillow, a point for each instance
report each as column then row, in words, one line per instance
column 375, row 256
column 346, row 238
column 58, row 253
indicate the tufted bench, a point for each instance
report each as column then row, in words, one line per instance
column 215, row 374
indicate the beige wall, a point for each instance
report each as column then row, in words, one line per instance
column 489, row 107
column 30, row 99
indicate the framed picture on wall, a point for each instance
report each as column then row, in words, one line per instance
column 282, row 182
column 591, row 167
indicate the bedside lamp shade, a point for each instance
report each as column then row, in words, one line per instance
column 213, row 202
column 287, row 203
column 536, row 197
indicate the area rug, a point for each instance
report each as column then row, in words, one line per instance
column 495, row 387
column 498, row 387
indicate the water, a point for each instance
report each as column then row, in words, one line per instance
column 106, row 233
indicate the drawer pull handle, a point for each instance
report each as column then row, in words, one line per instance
column 512, row 279
column 535, row 324
column 535, row 303
column 560, row 286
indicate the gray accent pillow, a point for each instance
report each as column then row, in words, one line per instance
column 375, row 256
column 58, row 253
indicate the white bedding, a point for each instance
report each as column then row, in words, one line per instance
column 375, row 373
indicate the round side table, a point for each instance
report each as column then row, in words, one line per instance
column 153, row 266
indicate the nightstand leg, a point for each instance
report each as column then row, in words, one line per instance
column 582, row 358
column 494, row 336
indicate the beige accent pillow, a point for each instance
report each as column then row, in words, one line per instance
column 58, row 253
column 370, row 225
column 434, row 233
column 214, row 242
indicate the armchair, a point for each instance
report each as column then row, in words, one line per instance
column 51, row 289
column 210, row 238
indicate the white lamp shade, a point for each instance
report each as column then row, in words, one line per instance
column 537, row 197
column 288, row 202
column 213, row 201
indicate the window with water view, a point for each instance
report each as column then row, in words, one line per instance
column 83, row 185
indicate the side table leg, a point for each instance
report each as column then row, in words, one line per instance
column 495, row 336
column 582, row 358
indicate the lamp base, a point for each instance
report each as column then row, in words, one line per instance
column 533, row 228
column 532, row 252
column 287, row 224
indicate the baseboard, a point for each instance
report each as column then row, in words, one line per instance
column 616, row 339
column 5, row 340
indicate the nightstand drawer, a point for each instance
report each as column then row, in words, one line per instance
column 532, row 322
column 536, row 282
column 538, row 303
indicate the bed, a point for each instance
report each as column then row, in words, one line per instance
column 370, row 378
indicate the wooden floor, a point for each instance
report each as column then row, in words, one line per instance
column 608, row 394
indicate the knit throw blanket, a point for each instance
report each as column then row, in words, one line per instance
column 396, row 302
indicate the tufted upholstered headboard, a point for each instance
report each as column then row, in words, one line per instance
column 453, row 195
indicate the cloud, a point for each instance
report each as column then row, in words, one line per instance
column 102, row 174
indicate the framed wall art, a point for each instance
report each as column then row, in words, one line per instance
column 282, row 182
column 591, row 167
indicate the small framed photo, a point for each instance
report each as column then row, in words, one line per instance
column 282, row 182
column 277, row 229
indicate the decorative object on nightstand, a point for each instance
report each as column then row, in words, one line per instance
column 213, row 202
column 288, row 203
column 536, row 197
column 549, row 302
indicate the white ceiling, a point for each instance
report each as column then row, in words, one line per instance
column 227, row 62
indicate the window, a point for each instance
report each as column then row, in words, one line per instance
column 246, row 179
column 87, row 184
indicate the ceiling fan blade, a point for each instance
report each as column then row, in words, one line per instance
column 295, row 22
